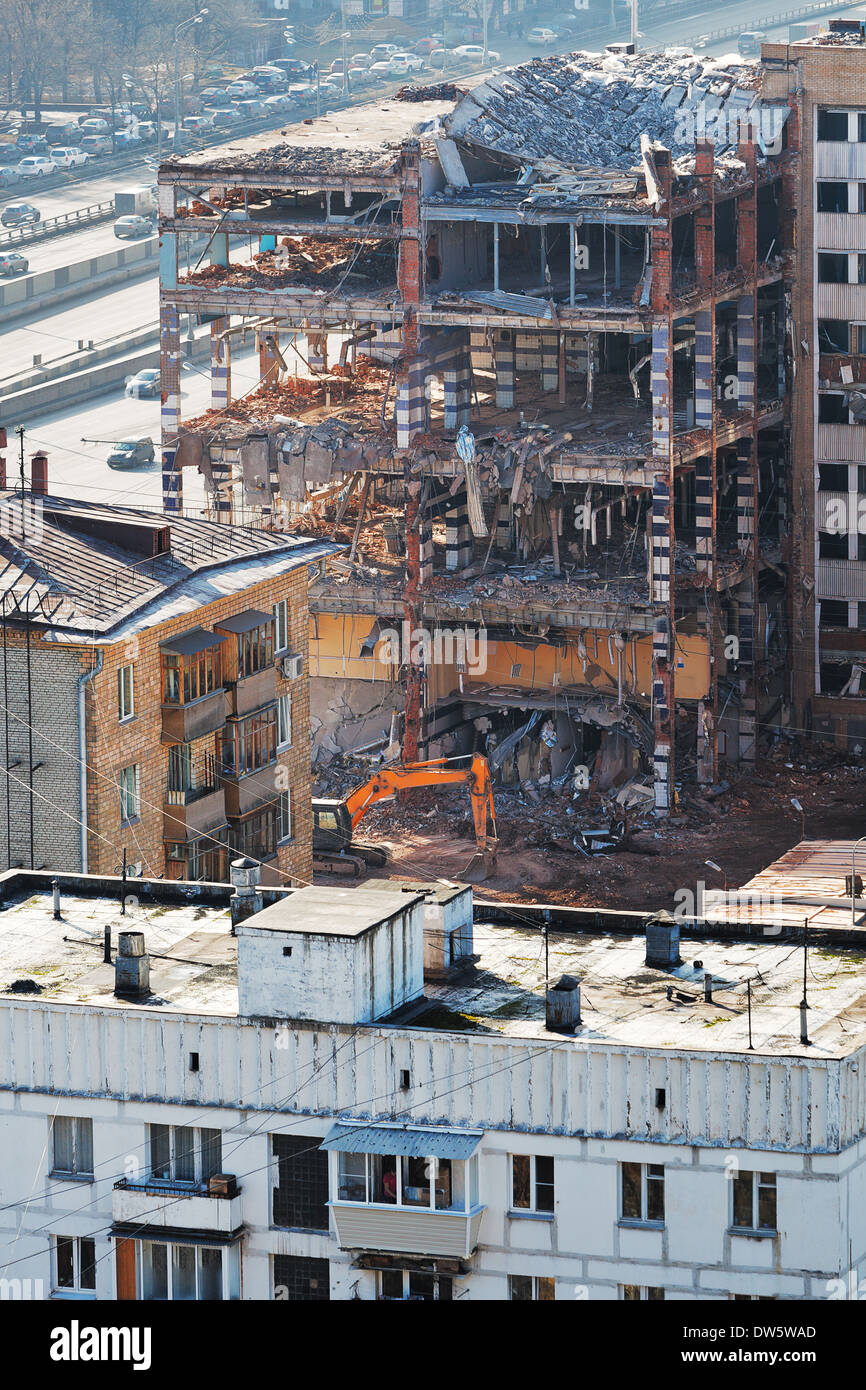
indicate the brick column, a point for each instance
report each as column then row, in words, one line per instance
column 457, row 387
column 662, row 522
column 746, row 599
column 503, row 348
column 169, row 357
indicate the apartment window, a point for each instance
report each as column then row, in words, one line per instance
column 130, row 805
column 642, row 1192
column 247, row 744
column 833, row 477
column 256, row 835
column 74, row 1265
column 199, row 860
column 73, row 1146
column 284, row 721
column 301, row 1192
column 255, row 650
column 861, row 126
column 859, row 343
column 125, row 692
column 832, row 196
column 832, row 409
column 180, row 767
column 753, row 1297
column 861, row 479
column 861, row 197
column 861, row 269
column 754, row 1202
column 861, row 616
column 532, row 1182
column 284, row 817
column 833, row 545
column 281, row 625
column 182, row 1154
column 861, row 546
column 638, row 1293
column 190, row 676
column 526, row 1288
column 834, row 335
column 301, row 1280
column 409, row 1285
column 833, row 125
column 833, row 613
column 188, row 1273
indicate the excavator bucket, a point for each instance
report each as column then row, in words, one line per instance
column 481, row 867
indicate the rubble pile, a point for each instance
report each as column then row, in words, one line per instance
column 325, row 262
column 433, row 91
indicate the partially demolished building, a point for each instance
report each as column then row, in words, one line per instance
column 531, row 343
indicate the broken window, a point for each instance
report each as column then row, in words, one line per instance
column 833, row 545
column 754, row 1202
column 301, row 1192
column 833, row 477
column 832, row 125
column 833, row 613
column 834, row 335
column 833, row 267
column 832, row 196
column 832, row 409
column 301, row 1280
column 642, row 1192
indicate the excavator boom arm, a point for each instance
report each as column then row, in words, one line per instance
column 438, row 773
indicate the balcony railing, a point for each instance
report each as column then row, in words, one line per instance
column 179, row 794
column 184, row 1206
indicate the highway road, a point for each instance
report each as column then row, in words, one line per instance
column 119, row 311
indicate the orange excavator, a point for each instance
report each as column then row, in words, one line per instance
column 334, row 821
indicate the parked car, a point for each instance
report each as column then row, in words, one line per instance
column 19, row 215
column 146, row 132
column 220, row 119
column 96, row 144
column 213, row 71
column 426, row 46
column 131, row 453
column 11, row 263
column 474, row 53
column 144, row 385
column 541, row 36
column 360, row 60
column 252, row 109
column 95, row 125
column 68, row 156
column 402, row 63
column 382, row 51
column 211, row 94
column 61, row 133
column 36, row 166
column 8, row 176
column 31, row 144
column 239, row 90
column 333, row 82
column 436, row 58
column 202, row 122
column 281, row 101
column 133, row 226
column 382, row 69
column 126, row 140
column 360, row 77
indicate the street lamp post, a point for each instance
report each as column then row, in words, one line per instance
column 181, row 29
column 854, row 880
column 344, row 37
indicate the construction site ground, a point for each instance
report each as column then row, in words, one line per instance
column 429, row 834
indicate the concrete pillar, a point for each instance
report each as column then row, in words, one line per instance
column 457, row 386
column 220, row 366
column 269, row 362
column 704, row 514
column 503, row 347
column 458, row 534
column 549, row 361
column 747, row 600
column 746, row 353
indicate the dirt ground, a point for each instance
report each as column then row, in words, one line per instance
column 429, row 834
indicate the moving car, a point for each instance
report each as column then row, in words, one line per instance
column 31, row 144
column 360, row 60
column 224, row 118
column 144, row 384
column 95, row 125
column 426, row 46
column 241, row 89
column 8, row 176
column 294, row 68
column 406, row 62
column 11, row 263
column 146, row 132
column 749, row 43
column 540, row 35
column 474, row 52
column 36, row 166
column 96, row 144
column 19, row 215
column 382, row 68
column 68, row 156
column 382, row 51
column 126, row 139
column 210, row 94
column 133, row 226
column 252, row 109
column 131, row 453
column 280, row 101
column 203, row 122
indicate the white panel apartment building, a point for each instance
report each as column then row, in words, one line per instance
column 437, row 1141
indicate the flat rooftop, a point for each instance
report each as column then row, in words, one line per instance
column 193, row 960
column 330, row 911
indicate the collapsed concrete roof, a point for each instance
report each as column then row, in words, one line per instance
column 589, row 110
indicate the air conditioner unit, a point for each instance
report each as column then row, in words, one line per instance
column 291, row 667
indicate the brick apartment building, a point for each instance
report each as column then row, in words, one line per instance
column 824, row 80
column 155, row 693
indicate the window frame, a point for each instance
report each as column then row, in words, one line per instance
column 285, row 828
column 284, row 701
column 255, row 650
column 253, row 739
column 533, row 1208
column 650, row 1182
column 542, row 1288
column 124, row 714
column 641, row 1293
column 255, row 835
column 83, row 1173
column 125, row 818
column 281, row 626
column 200, row 672
column 229, row 1270
column 197, row 1149
column 462, row 1179
column 758, row 1184
column 77, row 1289
column 406, row 1296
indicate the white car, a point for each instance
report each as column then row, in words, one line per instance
column 95, row 125
column 382, row 50
column 69, row 156
column 36, row 166
column 540, row 35
column 242, row 89
column 382, row 69
column 406, row 62
column 475, row 53
column 360, row 60
column 280, row 101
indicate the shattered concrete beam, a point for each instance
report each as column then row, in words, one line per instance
column 282, row 227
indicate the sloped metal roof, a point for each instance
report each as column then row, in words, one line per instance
column 410, row 1142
